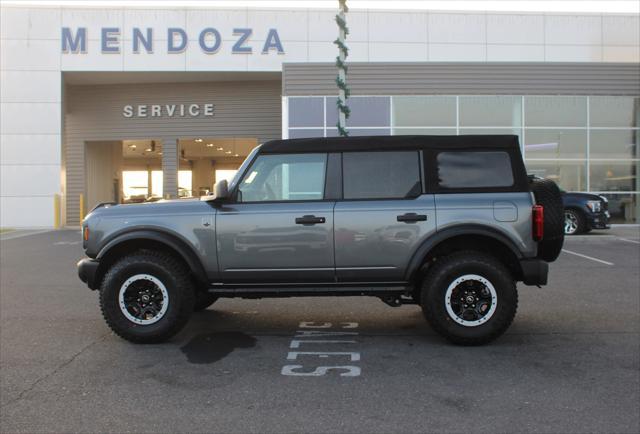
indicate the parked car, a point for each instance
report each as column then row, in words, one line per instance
column 584, row 211
column 447, row 222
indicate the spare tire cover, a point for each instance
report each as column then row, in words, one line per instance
column 547, row 194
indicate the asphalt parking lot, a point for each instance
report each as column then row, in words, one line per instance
column 569, row 363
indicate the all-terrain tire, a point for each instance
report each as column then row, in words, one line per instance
column 167, row 270
column 444, row 273
column 547, row 194
column 203, row 300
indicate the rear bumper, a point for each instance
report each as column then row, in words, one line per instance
column 87, row 271
column 534, row 271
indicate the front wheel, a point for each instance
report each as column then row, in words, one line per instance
column 146, row 297
column 469, row 298
column 573, row 222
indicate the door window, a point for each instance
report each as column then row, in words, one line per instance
column 284, row 177
column 381, row 175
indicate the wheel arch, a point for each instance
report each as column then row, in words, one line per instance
column 467, row 237
column 141, row 239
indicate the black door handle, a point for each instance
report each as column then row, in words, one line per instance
column 309, row 220
column 412, row 217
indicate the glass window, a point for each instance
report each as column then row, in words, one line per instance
column 485, row 131
column 490, row 111
column 303, row 134
column 381, row 175
column 333, row 132
column 284, row 177
column 135, row 185
column 366, row 111
column 614, row 111
column 425, row 131
column 555, row 143
column 569, row 175
column 474, row 169
column 424, row 111
column 185, row 183
column 306, row 112
column 226, row 174
column 157, row 181
column 555, row 111
column 614, row 144
column 613, row 175
column 624, row 208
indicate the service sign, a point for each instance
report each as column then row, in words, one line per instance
column 167, row 110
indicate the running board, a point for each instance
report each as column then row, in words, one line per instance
column 307, row 291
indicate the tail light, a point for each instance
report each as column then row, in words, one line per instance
column 537, row 216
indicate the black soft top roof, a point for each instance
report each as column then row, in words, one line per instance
column 378, row 143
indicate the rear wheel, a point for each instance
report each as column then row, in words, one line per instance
column 146, row 297
column 469, row 298
column 573, row 222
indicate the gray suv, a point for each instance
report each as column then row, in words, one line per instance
column 447, row 222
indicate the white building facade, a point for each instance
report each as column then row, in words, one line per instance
column 128, row 104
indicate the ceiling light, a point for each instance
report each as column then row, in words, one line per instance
column 227, row 152
column 198, row 140
column 209, row 145
column 220, row 148
column 132, row 146
column 235, row 155
column 147, row 150
column 160, row 153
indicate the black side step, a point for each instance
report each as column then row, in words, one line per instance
column 307, row 291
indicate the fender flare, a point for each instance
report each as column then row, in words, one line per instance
column 170, row 240
column 468, row 229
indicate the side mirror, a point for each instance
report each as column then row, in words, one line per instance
column 221, row 189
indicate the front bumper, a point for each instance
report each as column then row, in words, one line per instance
column 87, row 272
column 599, row 220
column 534, row 271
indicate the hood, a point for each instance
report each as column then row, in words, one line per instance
column 172, row 206
column 583, row 196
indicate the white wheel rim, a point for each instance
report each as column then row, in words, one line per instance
column 141, row 319
column 570, row 223
column 492, row 296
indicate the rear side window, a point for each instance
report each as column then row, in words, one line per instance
column 381, row 175
column 474, row 170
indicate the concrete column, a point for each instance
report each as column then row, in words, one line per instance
column 170, row 160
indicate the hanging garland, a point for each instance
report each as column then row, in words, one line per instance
column 341, row 79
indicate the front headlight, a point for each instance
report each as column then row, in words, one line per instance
column 594, row 205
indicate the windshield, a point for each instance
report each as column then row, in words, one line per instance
column 243, row 167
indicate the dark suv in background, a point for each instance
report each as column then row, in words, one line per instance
column 584, row 211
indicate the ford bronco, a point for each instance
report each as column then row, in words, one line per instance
column 447, row 222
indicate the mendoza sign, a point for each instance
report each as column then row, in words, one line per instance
column 177, row 40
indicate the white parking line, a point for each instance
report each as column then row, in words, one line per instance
column 587, row 257
column 628, row 240
column 22, row 233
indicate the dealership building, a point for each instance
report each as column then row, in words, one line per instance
column 132, row 104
